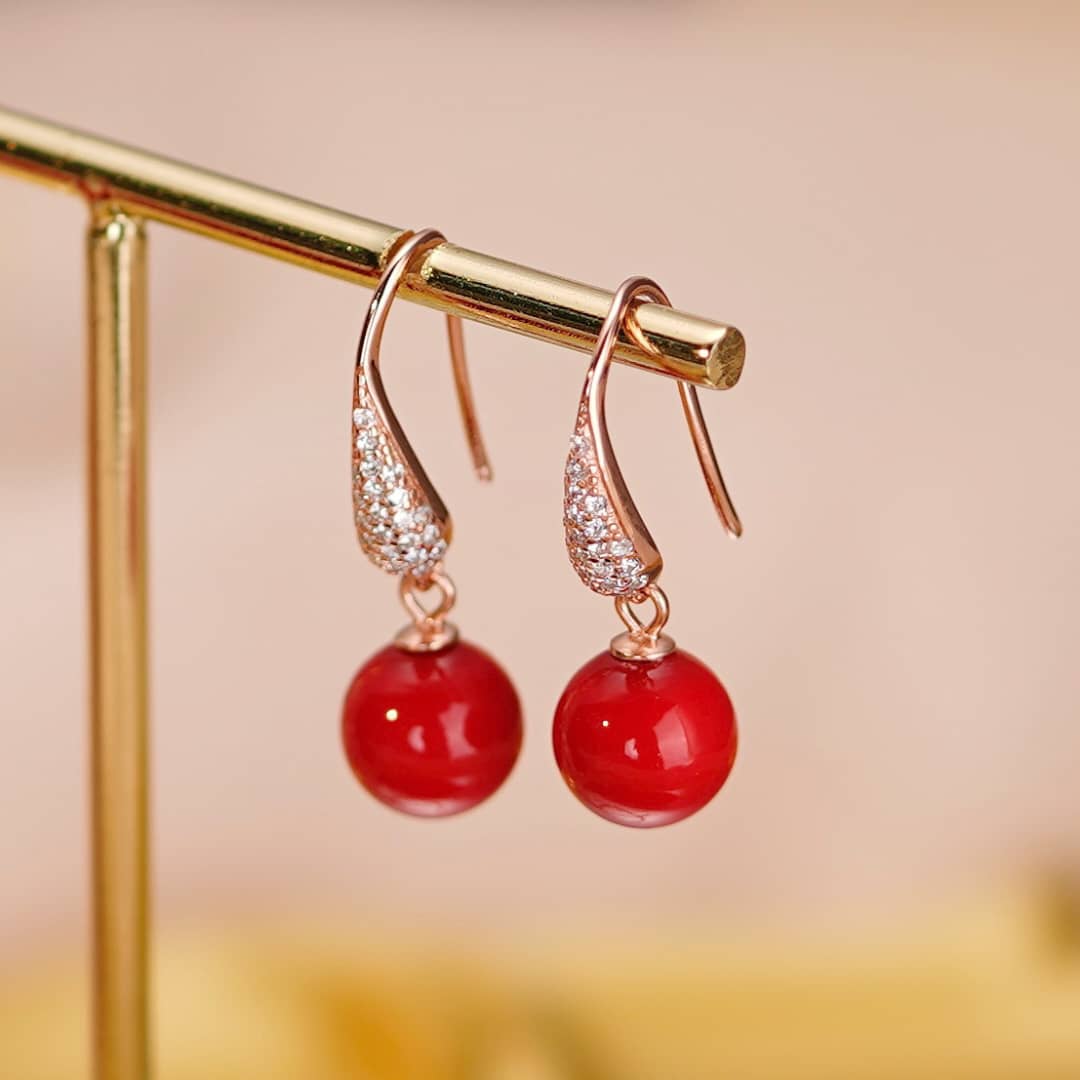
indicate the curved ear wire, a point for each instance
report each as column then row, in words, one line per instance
column 695, row 420
column 466, row 404
column 608, row 542
column 401, row 522
column 706, row 455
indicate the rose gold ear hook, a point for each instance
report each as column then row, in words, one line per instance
column 401, row 522
column 406, row 249
column 463, row 387
column 607, row 540
column 641, row 291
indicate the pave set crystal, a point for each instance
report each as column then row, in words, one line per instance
column 599, row 549
column 395, row 524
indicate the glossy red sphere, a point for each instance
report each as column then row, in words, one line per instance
column 645, row 743
column 431, row 734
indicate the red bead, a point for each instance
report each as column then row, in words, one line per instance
column 431, row 734
column 645, row 743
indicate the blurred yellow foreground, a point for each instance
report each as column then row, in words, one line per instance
column 988, row 992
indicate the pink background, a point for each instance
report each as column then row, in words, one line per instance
column 883, row 201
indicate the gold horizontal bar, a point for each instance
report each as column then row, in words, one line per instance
column 452, row 279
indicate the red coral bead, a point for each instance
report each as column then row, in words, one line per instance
column 431, row 734
column 645, row 743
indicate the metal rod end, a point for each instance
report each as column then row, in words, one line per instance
column 724, row 362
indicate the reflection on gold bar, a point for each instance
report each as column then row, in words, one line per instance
column 118, row 650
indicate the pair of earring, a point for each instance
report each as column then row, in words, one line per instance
column 644, row 734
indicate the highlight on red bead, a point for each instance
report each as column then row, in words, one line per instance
column 645, row 743
column 431, row 733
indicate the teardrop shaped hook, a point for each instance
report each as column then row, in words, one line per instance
column 401, row 521
column 608, row 542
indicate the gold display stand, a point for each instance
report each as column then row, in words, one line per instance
column 124, row 188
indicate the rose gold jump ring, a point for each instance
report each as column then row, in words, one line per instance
column 638, row 629
column 422, row 617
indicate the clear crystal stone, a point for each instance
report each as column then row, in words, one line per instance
column 421, row 516
column 363, row 418
column 621, row 547
column 430, row 534
column 398, row 497
column 594, row 529
column 595, row 504
column 366, row 440
column 402, row 518
column 575, row 469
column 595, row 550
column 369, row 466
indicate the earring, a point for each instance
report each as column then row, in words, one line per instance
column 431, row 724
column 644, row 733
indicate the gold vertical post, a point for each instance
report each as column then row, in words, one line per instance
column 118, row 661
